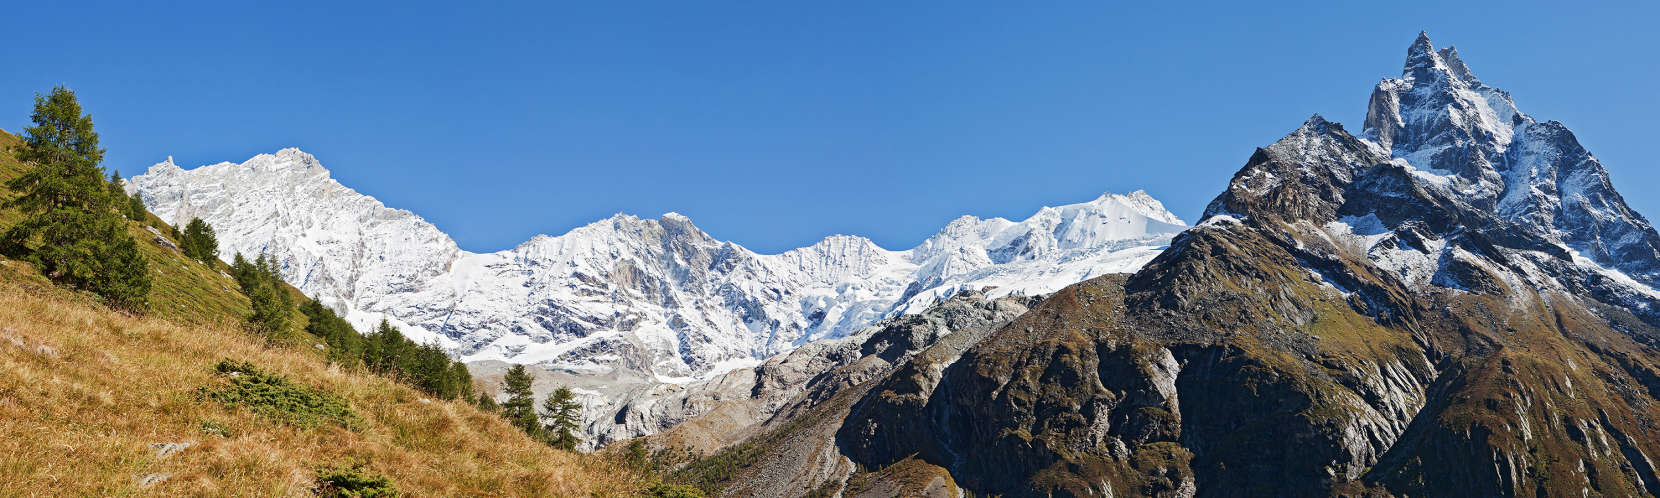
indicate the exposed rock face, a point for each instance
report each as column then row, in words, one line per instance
column 789, row 408
column 1455, row 304
column 1471, row 138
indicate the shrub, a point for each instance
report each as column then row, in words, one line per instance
column 666, row 490
column 275, row 397
column 352, row 480
column 213, row 428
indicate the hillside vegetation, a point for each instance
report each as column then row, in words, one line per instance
column 182, row 399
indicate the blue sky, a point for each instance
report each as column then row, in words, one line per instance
column 773, row 125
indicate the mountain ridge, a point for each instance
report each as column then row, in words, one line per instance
column 658, row 297
column 1341, row 322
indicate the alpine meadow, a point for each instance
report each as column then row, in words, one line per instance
column 987, row 250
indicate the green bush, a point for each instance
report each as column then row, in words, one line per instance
column 213, row 428
column 666, row 490
column 275, row 397
column 352, row 480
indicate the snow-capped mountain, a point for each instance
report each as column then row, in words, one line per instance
column 658, row 297
column 1453, row 303
column 1451, row 186
column 1464, row 135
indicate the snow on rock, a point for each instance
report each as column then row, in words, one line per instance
column 1470, row 138
column 1450, row 187
column 655, row 298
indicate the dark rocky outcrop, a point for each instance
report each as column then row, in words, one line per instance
column 1435, row 308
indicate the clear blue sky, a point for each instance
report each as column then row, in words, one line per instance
column 773, row 125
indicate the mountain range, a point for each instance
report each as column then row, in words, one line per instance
column 1454, row 301
column 654, row 299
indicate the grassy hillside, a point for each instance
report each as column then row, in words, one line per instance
column 88, row 392
column 183, row 289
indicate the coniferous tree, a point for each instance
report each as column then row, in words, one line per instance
column 345, row 345
column 520, row 407
column 431, row 372
column 199, row 241
column 564, row 416
column 388, row 352
column 263, row 286
column 135, row 207
column 118, row 195
column 69, row 207
column 488, row 403
column 239, row 268
column 269, row 315
column 463, row 380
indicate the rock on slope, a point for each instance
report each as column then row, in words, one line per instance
column 639, row 300
column 1455, row 303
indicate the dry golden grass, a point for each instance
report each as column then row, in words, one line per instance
column 84, row 391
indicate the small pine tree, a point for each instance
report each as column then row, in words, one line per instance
column 199, row 241
column 125, row 273
column 269, row 315
column 636, row 455
column 263, row 286
column 118, row 195
column 431, row 372
column 135, row 207
column 386, row 351
column 487, row 403
column 462, row 379
column 241, row 270
column 564, row 415
column 345, row 345
column 69, row 207
column 520, row 407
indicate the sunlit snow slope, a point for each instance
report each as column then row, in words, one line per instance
column 659, row 298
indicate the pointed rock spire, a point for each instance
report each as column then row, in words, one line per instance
column 1456, row 67
column 1316, row 124
column 1420, row 56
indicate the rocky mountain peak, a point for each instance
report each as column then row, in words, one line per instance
column 1377, row 302
column 1300, row 176
column 648, row 297
column 1420, row 55
column 1316, row 125
column 289, row 160
column 1438, row 115
column 1469, row 138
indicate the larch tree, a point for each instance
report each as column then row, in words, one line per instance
column 520, row 407
column 199, row 241
column 73, row 228
column 564, row 416
column 135, row 207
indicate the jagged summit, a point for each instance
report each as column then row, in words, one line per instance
column 1316, row 123
column 1423, row 61
column 1470, row 138
column 1455, row 302
column 1420, row 55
